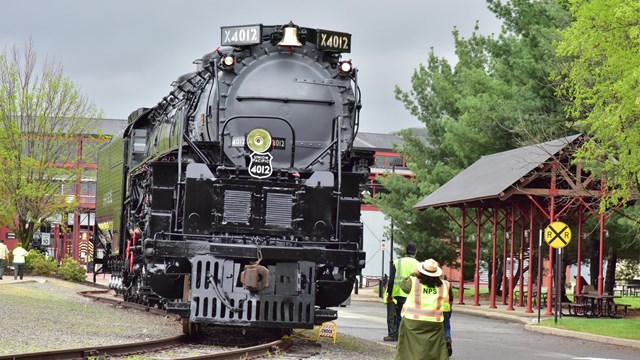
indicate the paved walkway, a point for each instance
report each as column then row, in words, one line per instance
column 530, row 320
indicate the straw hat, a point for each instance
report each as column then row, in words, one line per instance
column 430, row 268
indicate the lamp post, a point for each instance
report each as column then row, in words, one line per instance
column 382, row 249
column 393, row 170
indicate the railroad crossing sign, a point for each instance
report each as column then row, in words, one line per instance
column 557, row 234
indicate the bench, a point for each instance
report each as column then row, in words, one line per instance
column 573, row 308
column 613, row 311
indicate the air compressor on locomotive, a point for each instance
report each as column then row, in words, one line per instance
column 235, row 200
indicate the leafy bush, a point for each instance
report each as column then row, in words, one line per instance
column 72, row 270
column 40, row 264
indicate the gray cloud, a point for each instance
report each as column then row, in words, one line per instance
column 124, row 54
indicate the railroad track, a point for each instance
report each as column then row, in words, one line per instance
column 99, row 352
column 154, row 346
column 94, row 294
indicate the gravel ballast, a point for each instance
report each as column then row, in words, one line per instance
column 44, row 314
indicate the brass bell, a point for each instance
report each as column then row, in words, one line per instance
column 290, row 38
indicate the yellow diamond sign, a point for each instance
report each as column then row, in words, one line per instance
column 557, row 234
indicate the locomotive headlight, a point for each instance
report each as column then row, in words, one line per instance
column 259, row 140
column 345, row 67
column 228, row 60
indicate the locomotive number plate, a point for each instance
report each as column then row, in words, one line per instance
column 276, row 143
column 241, row 35
column 260, row 165
column 334, row 41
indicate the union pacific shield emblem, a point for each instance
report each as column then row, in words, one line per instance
column 260, row 165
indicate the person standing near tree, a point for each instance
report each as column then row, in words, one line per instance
column 4, row 255
column 19, row 259
column 421, row 335
column 401, row 268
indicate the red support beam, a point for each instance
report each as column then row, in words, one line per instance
column 601, row 254
column 579, row 260
column 494, row 236
column 521, row 260
column 530, row 272
column 504, row 260
column 551, row 219
column 476, row 277
column 461, row 286
column 512, row 241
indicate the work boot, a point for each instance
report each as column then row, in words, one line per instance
column 449, row 347
column 390, row 338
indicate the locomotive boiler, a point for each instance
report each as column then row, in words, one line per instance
column 236, row 199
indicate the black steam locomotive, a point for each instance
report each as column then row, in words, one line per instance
column 235, row 200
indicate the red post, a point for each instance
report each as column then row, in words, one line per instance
column 528, row 310
column 504, row 260
column 493, row 259
column 476, row 277
column 513, row 239
column 601, row 251
column 464, row 224
column 551, row 219
column 579, row 261
column 521, row 262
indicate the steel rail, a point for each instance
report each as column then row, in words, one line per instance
column 92, row 295
column 90, row 352
column 270, row 348
column 98, row 351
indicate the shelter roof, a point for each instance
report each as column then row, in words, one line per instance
column 493, row 174
column 376, row 141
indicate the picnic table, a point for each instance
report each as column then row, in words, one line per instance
column 594, row 305
column 633, row 289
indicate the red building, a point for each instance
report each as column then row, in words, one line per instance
column 71, row 235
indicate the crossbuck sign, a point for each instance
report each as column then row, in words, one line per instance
column 557, row 234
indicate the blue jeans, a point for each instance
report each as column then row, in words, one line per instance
column 399, row 304
column 1, row 268
column 447, row 325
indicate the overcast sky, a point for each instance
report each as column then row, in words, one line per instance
column 124, row 54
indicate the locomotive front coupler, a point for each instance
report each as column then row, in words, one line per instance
column 255, row 277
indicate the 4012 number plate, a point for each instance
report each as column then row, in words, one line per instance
column 334, row 41
column 241, row 35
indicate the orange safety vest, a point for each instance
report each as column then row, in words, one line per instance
column 426, row 303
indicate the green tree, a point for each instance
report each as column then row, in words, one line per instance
column 602, row 81
column 42, row 113
column 496, row 97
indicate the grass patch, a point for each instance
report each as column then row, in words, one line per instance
column 470, row 291
column 625, row 328
column 634, row 301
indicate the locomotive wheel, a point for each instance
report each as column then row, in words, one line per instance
column 191, row 329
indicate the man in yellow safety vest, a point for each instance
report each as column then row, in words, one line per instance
column 401, row 268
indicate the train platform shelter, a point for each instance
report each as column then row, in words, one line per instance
column 512, row 196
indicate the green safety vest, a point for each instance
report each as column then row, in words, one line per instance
column 426, row 303
column 404, row 267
